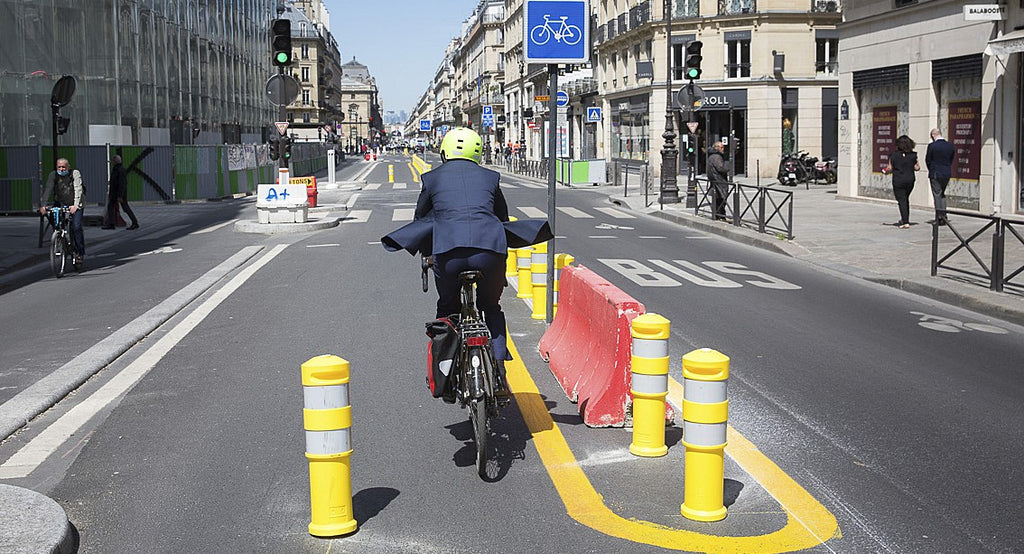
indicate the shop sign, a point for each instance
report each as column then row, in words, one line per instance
column 965, row 134
column 984, row 12
column 883, row 135
column 724, row 99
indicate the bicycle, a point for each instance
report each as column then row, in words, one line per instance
column 60, row 242
column 542, row 33
column 475, row 379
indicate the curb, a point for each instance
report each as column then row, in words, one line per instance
column 252, row 226
column 34, row 523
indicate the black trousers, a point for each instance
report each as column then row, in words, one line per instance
column 447, row 267
column 112, row 204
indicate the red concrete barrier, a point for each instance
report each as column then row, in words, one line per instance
column 589, row 346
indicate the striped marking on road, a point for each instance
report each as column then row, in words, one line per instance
column 575, row 212
column 530, row 211
column 401, row 186
column 808, row 523
column 357, row 216
column 213, row 228
column 371, row 186
column 403, row 214
column 616, row 213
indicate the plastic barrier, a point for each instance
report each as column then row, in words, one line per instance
column 589, row 344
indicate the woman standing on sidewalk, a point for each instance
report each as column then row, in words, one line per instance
column 902, row 165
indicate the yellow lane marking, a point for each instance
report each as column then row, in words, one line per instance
column 415, row 176
column 808, row 523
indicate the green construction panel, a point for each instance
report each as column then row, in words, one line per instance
column 3, row 163
column 222, row 180
column 233, row 179
column 580, row 172
column 21, row 194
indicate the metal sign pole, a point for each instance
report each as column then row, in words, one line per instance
column 552, row 167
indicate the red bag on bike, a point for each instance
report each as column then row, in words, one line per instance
column 442, row 348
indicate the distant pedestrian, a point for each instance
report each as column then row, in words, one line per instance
column 902, row 165
column 718, row 178
column 117, row 195
column 939, row 160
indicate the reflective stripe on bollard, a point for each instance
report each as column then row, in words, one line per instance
column 525, row 282
column 561, row 261
column 539, row 279
column 705, row 424
column 649, row 386
column 327, row 419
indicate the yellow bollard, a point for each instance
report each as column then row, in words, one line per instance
column 705, row 417
column 539, row 279
column 327, row 418
column 650, row 384
column 561, row 261
column 391, row 173
column 510, row 262
column 523, row 257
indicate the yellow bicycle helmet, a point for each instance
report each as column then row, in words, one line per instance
column 461, row 142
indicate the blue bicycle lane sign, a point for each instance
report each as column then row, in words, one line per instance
column 556, row 31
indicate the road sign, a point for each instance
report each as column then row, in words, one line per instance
column 689, row 100
column 692, row 126
column 487, row 120
column 556, row 31
column 424, row 125
column 282, row 89
column 488, row 110
column 282, row 127
column 562, row 99
column 593, row 114
column 541, row 98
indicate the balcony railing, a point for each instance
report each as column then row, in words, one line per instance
column 638, row 15
column 736, row 7
column 826, row 6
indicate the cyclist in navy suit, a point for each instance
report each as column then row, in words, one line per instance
column 467, row 210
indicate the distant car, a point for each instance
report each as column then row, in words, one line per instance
column 418, row 149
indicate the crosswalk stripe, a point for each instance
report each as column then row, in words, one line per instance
column 372, row 186
column 530, row 211
column 400, row 186
column 403, row 214
column 615, row 213
column 530, row 185
column 357, row 216
column 573, row 212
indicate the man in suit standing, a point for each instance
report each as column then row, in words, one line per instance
column 939, row 160
column 467, row 208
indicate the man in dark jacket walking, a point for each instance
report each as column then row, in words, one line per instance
column 939, row 160
column 718, row 177
column 118, row 194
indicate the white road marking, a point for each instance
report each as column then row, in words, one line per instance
column 400, row 186
column 616, row 213
column 372, row 186
column 574, row 212
column 213, row 228
column 26, row 460
column 530, row 211
column 357, row 216
column 322, row 245
column 403, row 214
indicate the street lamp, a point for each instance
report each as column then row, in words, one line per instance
column 669, row 193
column 522, row 103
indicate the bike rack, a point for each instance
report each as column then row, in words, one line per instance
column 995, row 273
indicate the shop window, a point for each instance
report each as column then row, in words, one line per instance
column 826, row 60
column 738, row 56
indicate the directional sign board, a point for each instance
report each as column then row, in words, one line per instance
column 556, row 31
column 424, row 125
column 562, row 99
column 593, row 114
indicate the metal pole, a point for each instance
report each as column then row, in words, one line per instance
column 669, row 154
column 552, row 153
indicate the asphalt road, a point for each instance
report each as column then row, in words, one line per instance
column 903, row 428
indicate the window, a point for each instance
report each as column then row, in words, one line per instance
column 738, row 54
column 305, row 117
column 305, row 98
column 686, row 8
column 826, row 60
column 732, row 7
column 305, row 51
column 305, row 74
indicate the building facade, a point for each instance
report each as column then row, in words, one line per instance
column 168, row 72
column 939, row 66
column 316, row 113
column 358, row 100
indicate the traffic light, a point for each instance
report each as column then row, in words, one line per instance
column 286, row 147
column 62, row 124
column 282, row 41
column 691, row 143
column 274, row 145
column 693, row 59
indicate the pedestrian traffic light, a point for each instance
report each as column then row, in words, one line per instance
column 274, row 145
column 282, row 41
column 62, row 124
column 693, row 59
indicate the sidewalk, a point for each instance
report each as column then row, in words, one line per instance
column 856, row 237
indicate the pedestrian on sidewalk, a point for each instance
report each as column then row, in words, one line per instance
column 117, row 194
column 939, row 161
column 64, row 187
column 902, row 165
column 718, row 178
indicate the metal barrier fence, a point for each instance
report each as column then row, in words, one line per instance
column 520, row 166
column 639, row 172
column 155, row 173
column 995, row 270
column 765, row 209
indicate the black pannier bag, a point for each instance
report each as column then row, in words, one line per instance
column 442, row 349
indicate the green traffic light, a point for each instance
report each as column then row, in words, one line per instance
column 281, row 57
column 692, row 73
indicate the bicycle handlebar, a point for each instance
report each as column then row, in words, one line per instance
column 425, row 263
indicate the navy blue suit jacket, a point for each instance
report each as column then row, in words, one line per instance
column 939, row 159
column 466, row 205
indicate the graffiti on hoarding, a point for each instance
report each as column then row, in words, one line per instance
column 883, row 135
column 965, row 134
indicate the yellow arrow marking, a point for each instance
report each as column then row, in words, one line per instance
column 808, row 523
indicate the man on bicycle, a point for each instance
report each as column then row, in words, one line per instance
column 467, row 208
column 64, row 188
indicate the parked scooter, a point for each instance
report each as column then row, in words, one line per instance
column 826, row 169
column 791, row 170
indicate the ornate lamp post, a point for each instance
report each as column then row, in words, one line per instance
column 669, row 190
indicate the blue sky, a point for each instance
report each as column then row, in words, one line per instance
column 402, row 42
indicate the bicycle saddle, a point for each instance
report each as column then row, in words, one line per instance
column 470, row 276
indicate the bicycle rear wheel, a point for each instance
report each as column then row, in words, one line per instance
column 58, row 254
column 478, row 417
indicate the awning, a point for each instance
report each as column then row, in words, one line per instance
column 1007, row 44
